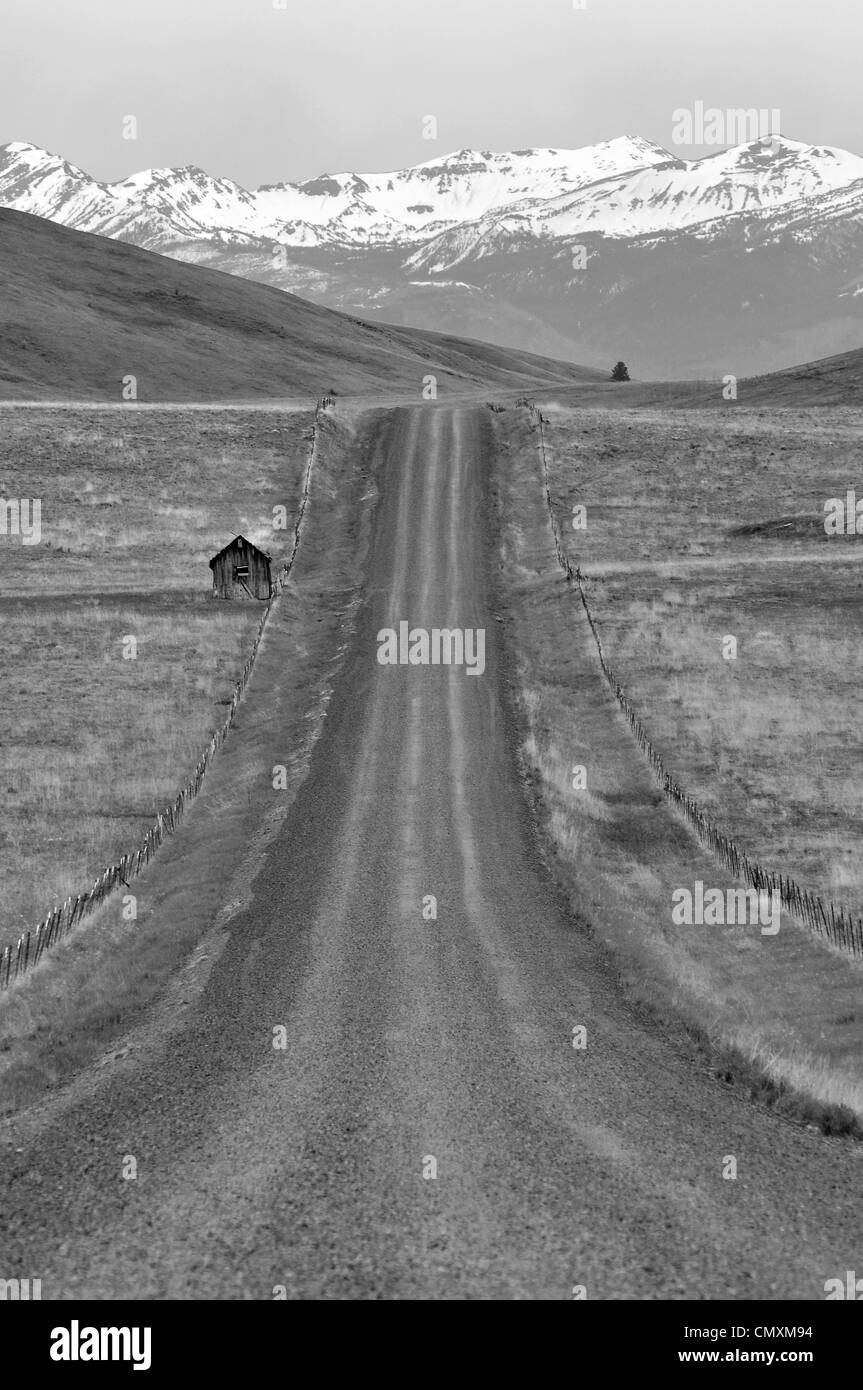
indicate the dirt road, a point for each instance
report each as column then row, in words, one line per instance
column 428, row 1129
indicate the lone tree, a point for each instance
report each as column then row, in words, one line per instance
column 620, row 372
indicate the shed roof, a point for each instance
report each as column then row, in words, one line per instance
column 233, row 543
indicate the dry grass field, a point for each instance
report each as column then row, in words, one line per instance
column 759, row 741
column 133, row 504
column 705, row 526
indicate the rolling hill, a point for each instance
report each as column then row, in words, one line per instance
column 828, row 381
column 80, row 312
column 836, row 380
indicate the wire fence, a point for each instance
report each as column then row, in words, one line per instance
column 836, row 924
column 32, row 945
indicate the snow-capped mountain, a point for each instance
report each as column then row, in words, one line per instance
column 627, row 187
column 751, row 254
column 160, row 206
column 675, row 195
column 410, row 205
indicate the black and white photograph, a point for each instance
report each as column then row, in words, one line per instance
column 431, row 672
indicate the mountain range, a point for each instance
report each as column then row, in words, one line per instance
column 746, row 261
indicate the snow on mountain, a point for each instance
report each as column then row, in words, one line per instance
column 466, row 204
column 159, row 206
column 762, row 177
column 409, row 204
column 34, row 181
column 148, row 209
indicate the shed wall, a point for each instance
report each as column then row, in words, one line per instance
column 257, row 581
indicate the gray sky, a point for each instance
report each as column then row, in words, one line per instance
column 260, row 94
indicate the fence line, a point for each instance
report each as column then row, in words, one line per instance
column 32, row 945
column 838, row 925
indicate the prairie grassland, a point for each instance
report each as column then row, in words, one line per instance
column 779, row 1015
column 703, row 526
column 133, row 505
column 138, row 501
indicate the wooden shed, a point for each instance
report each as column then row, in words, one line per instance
column 241, row 570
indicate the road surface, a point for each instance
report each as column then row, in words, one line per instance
column 428, row 1130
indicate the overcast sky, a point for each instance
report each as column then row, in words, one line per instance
column 261, row 94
